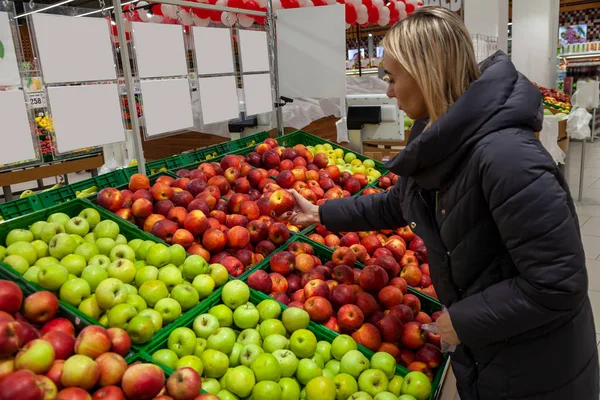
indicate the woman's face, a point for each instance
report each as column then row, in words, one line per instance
column 404, row 88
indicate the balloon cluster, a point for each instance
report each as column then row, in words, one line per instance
column 366, row 12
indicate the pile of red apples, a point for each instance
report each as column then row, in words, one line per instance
column 371, row 304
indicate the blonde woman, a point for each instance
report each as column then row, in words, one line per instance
column 495, row 212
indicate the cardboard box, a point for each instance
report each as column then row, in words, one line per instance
column 384, row 150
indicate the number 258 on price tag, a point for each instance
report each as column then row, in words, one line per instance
column 37, row 100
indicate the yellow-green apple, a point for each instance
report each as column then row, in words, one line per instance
column 92, row 341
column 111, row 292
column 204, row 285
column 246, row 316
column 143, row 381
column 373, row 382
column 40, row 307
column 52, row 276
column 165, row 357
column 266, row 368
column 303, row 343
column 185, row 295
column 7, row 366
column 120, row 315
column 205, row 325
column 169, row 309
column 18, row 263
column 222, row 339
column 417, row 385
column 287, row 361
column 74, row 291
column 384, row 362
column 235, row 293
column 354, row 363
column 182, row 341
column 240, row 381
column 295, row 319
column 215, row 363
column 320, row 388
column 158, row 255
column 36, row 356
column 395, row 386
column 307, row 370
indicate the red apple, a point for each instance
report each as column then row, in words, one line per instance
column 413, row 302
column 184, row 384
column 120, row 341
column 366, row 303
column 233, row 265
column 279, row 233
column 260, row 281
column 164, row 229
column 343, row 274
column 279, row 283
column 281, row 201
column 112, row 368
column 332, row 241
column 373, row 278
column 400, row 283
column 316, row 287
column 413, row 337
column 350, row 317
column 332, row 324
column 282, row 263
column 110, row 198
column 109, row 393
column 368, row 336
column 20, row 385
column 143, row 381
column 151, row 221
column 319, row 309
column 265, row 248
column 407, row 357
column 281, row 297
column 390, row 296
column 61, row 342
column 92, row 341
column 40, row 307
column 403, row 312
column 11, row 337
column 343, row 294
column 420, row 367
column 11, row 297
column 423, row 318
column 390, row 328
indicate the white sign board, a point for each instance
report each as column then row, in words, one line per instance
column 311, row 45
column 214, row 54
column 15, row 128
column 167, row 106
column 255, row 51
column 258, row 94
column 159, row 49
column 9, row 67
column 218, row 99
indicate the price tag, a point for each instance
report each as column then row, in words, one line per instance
column 37, row 100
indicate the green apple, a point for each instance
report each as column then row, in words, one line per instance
column 140, row 329
column 52, row 277
column 89, row 238
column 222, row 339
column 2, row 252
column 145, row 274
column 23, row 249
column 71, row 277
column 345, row 385
column 41, row 248
column 106, row 229
column 78, row 239
column 178, row 255
column 193, row 266
column 373, row 381
column 59, row 218
column 186, row 296
column 104, row 320
column 120, row 315
column 153, row 291
column 91, row 215
column 384, row 362
column 354, row 363
column 19, row 235
column 62, row 245
column 307, row 370
column 135, row 243
column 155, row 316
column 266, row 390
column 386, row 396
column 87, row 251
column 170, row 310
column 140, row 252
column 122, row 251
column 275, row 342
column 349, row 157
column 333, row 366
column 360, row 396
column 268, row 309
column 211, row 385
column 294, row 318
column 318, row 360
column 50, row 230
column 105, row 245
column 339, row 161
column 416, row 384
column 250, row 352
column 219, row 274
column 100, row 260
column 200, row 346
column 223, row 314
column 90, row 307
column 120, row 239
column 205, row 325
column 215, row 363
column 246, row 316
column 94, row 274
column 192, row 362
column 287, row 361
column 111, row 292
column 290, row 389
column 77, row 226
column 75, row 291
column 74, row 263
column 171, row 276
column 320, row 388
column 234, row 294
column 249, row 336
column 226, row 395
column 327, row 373
column 303, row 343
column 167, row 357
column 395, row 386
column 204, row 285
column 31, row 274
column 369, row 163
column 122, row 269
column 137, row 302
column 182, row 341
column 240, row 381
column 139, row 264
column 324, row 350
column 36, row 229
column 223, row 380
column 234, row 356
column 158, row 255
column 271, row 327
column 46, row 260
column 18, row 263
column 266, row 368
column 341, row 345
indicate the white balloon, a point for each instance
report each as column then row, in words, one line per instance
column 330, row 2
column 384, row 21
column 262, row 3
column 277, row 5
column 144, row 15
column 307, row 3
column 200, row 21
column 403, row 14
column 356, row 3
column 157, row 19
column 400, row 6
column 362, row 14
column 413, row 2
column 186, row 18
column 245, row 20
column 378, row 3
column 384, row 13
column 221, row 3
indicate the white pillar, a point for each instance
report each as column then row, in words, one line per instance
column 535, row 38
column 489, row 18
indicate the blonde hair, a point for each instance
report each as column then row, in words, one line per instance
column 435, row 48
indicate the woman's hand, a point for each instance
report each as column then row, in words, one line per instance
column 304, row 213
column 446, row 329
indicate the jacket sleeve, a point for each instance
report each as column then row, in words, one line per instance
column 532, row 212
column 364, row 213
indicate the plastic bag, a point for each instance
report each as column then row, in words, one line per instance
column 432, row 328
column 549, row 137
column 578, row 123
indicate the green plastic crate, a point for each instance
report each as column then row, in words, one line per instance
column 19, row 207
column 208, row 153
column 69, row 192
column 248, row 141
column 428, row 304
column 194, row 165
column 169, row 163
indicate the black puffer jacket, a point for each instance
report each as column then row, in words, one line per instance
column 503, row 241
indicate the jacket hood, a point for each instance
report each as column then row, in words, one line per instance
column 501, row 98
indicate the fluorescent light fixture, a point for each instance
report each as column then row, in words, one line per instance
column 370, row 34
column 106, row 9
column 44, row 9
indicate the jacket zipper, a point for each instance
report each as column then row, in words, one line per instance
column 436, row 202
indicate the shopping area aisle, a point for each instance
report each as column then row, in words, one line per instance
column 589, row 214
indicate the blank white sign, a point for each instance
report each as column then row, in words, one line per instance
column 213, row 50
column 167, row 106
column 257, row 93
column 159, row 49
column 9, row 67
column 74, row 49
column 255, row 51
column 15, row 133
column 86, row 116
column 311, row 45
column 218, row 99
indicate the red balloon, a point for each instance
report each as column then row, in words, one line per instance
column 260, row 20
column 391, row 5
column 367, row 3
column 410, row 8
column 200, row 13
column 351, row 14
column 394, row 16
column 290, row 4
column 235, row 3
column 156, row 10
column 373, row 14
column 251, row 5
column 319, row 3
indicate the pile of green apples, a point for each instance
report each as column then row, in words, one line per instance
column 252, row 351
column 347, row 161
column 139, row 286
